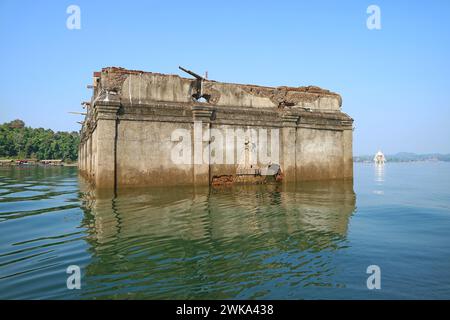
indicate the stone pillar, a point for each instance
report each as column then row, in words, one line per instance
column 91, row 157
column 85, row 157
column 201, row 138
column 288, row 146
column 88, row 158
column 106, row 118
column 347, row 145
column 80, row 156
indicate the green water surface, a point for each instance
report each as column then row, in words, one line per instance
column 305, row 241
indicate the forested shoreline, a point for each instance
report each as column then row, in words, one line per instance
column 17, row 141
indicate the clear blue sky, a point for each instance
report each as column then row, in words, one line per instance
column 395, row 82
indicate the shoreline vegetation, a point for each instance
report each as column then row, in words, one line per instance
column 34, row 162
column 21, row 146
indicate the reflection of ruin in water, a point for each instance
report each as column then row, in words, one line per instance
column 180, row 233
column 325, row 206
column 379, row 173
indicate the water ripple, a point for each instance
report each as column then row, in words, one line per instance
column 248, row 242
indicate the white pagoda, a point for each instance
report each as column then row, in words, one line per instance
column 379, row 158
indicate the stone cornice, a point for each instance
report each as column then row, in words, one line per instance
column 217, row 115
column 202, row 113
column 106, row 110
column 290, row 120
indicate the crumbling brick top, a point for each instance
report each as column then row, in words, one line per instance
column 139, row 86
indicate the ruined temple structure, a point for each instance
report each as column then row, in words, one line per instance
column 127, row 137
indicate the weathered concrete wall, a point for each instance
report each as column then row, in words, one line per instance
column 320, row 154
column 143, row 154
column 126, row 139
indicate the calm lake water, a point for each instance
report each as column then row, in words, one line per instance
column 306, row 241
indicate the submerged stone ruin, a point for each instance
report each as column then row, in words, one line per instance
column 152, row 129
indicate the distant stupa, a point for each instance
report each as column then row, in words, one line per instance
column 379, row 158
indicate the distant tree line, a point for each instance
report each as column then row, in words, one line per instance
column 21, row 142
